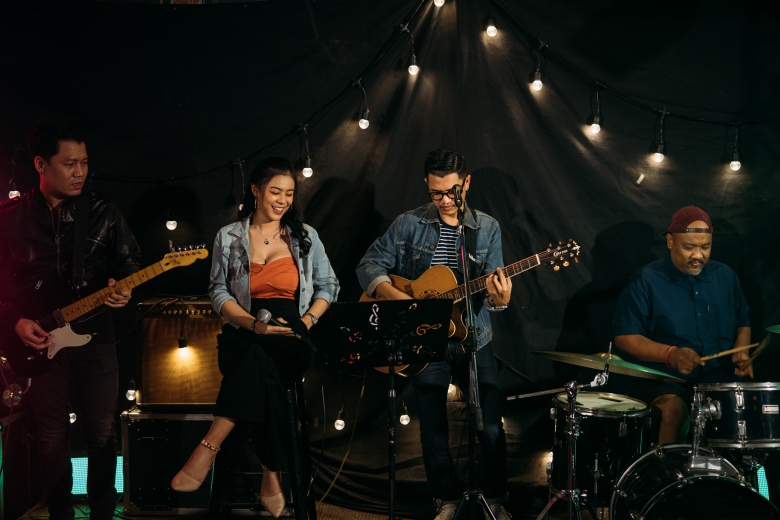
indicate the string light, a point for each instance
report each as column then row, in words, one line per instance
column 491, row 28
column 438, row 3
column 170, row 221
column 307, row 170
column 72, row 417
column 736, row 164
column 363, row 123
column 339, row 424
column 413, row 68
column 536, row 78
column 131, row 391
column 660, row 150
column 404, row 419
column 13, row 192
column 595, row 126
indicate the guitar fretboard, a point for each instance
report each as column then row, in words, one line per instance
column 95, row 300
column 479, row 284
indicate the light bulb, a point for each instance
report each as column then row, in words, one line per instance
column 171, row 223
column 13, row 194
column 450, row 388
column 660, row 150
column 491, row 28
column 72, row 417
column 537, row 84
column 549, row 456
column 404, row 419
column 438, row 3
column 413, row 68
column 130, row 394
column 735, row 165
column 307, row 171
column 339, row 424
column 658, row 157
column 595, row 128
column 363, row 123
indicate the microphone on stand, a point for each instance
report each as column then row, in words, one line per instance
column 457, row 190
column 265, row 316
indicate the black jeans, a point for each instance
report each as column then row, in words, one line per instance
column 92, row 371
column 430, row 393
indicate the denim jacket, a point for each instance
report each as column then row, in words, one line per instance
column 407, row 249
column 230, row 270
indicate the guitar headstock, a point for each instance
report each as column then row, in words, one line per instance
column 562, row 254
column 184, row 256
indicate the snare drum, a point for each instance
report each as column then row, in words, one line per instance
column 612, row 435
column 744, row 415
column 661, row 486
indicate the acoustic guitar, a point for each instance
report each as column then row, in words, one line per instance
column 440, row 282
column 29, row 362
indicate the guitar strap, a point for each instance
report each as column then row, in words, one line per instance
column 80, row 225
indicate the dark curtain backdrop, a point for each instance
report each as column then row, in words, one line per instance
column 171, row 91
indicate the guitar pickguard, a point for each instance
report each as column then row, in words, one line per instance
column 64, row 337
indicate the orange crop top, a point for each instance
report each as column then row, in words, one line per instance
column 277, row 279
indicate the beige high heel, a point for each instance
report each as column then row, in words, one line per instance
column 185, row 483
column 274, row 504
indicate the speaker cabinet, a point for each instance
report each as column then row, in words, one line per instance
column 178, row 354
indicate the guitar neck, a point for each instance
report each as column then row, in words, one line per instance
column 479, row 284
column 95, row 300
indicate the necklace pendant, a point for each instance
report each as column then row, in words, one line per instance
column 266, row 241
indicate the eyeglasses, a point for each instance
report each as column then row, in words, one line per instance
column 438, row 195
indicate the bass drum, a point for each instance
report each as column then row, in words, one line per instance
column 659, row 486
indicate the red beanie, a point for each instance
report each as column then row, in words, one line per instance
column 683, row 218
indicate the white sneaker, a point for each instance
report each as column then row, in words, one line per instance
column 447, row 511
column 499, row 512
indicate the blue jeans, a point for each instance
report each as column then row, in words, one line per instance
column 92, row 371
column 430, row 392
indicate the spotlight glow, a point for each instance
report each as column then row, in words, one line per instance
column 595, row 128
column 658, row 157
column 450, row 388
column 438, row 3
column 735, row 165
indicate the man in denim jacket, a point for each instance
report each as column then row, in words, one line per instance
column 415, row 241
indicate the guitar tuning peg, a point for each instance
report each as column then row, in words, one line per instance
column 557, row 268
column 566, row 263
column 549, row 245
column 576, row 260
column 559, row 243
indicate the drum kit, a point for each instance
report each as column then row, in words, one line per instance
column 601, row 456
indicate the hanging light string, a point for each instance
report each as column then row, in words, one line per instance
column 363, row 123
column 321, row 111
column 736, row 163
column 624, row 97
column 413, row 68
column 307, row 170
column 660, row 150
column 595, row 125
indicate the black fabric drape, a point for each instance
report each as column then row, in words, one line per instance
column 173, row 90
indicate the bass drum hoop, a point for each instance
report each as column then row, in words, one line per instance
column 597, row 412
column 629, row 471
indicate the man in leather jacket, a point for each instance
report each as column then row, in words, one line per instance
column 36, row 253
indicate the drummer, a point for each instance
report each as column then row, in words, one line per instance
column 675, row 311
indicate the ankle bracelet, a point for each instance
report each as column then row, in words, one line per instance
column 210, row 446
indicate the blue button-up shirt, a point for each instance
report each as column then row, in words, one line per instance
column 674, row 308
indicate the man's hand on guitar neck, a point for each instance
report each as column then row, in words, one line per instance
column 118, row 299
column 386, row 291
column 499, row 288
column 32, row 334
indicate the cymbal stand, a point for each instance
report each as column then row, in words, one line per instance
column 701, row 411
column 572, row 494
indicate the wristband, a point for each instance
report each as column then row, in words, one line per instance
column 253, row 326
column 314, row 319
column 667, row 355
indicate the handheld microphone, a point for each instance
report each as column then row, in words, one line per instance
column 457, row 190
column 265, row 316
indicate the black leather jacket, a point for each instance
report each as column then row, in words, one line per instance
column 36, row 248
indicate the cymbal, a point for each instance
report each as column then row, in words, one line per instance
column 774, row 328
column 616, row 364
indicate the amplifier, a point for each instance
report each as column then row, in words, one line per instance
column 178, row 353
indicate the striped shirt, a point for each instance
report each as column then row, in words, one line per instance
column 446, row 253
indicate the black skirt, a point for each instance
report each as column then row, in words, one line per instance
column 254, row 364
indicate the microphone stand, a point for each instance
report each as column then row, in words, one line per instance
column 474, row 494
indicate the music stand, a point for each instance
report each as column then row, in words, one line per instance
column 388, row 333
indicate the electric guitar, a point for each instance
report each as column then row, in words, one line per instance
column 440, row 282
column 29, row 362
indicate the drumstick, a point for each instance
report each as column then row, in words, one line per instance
column 730, row 351
column 761, row 346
